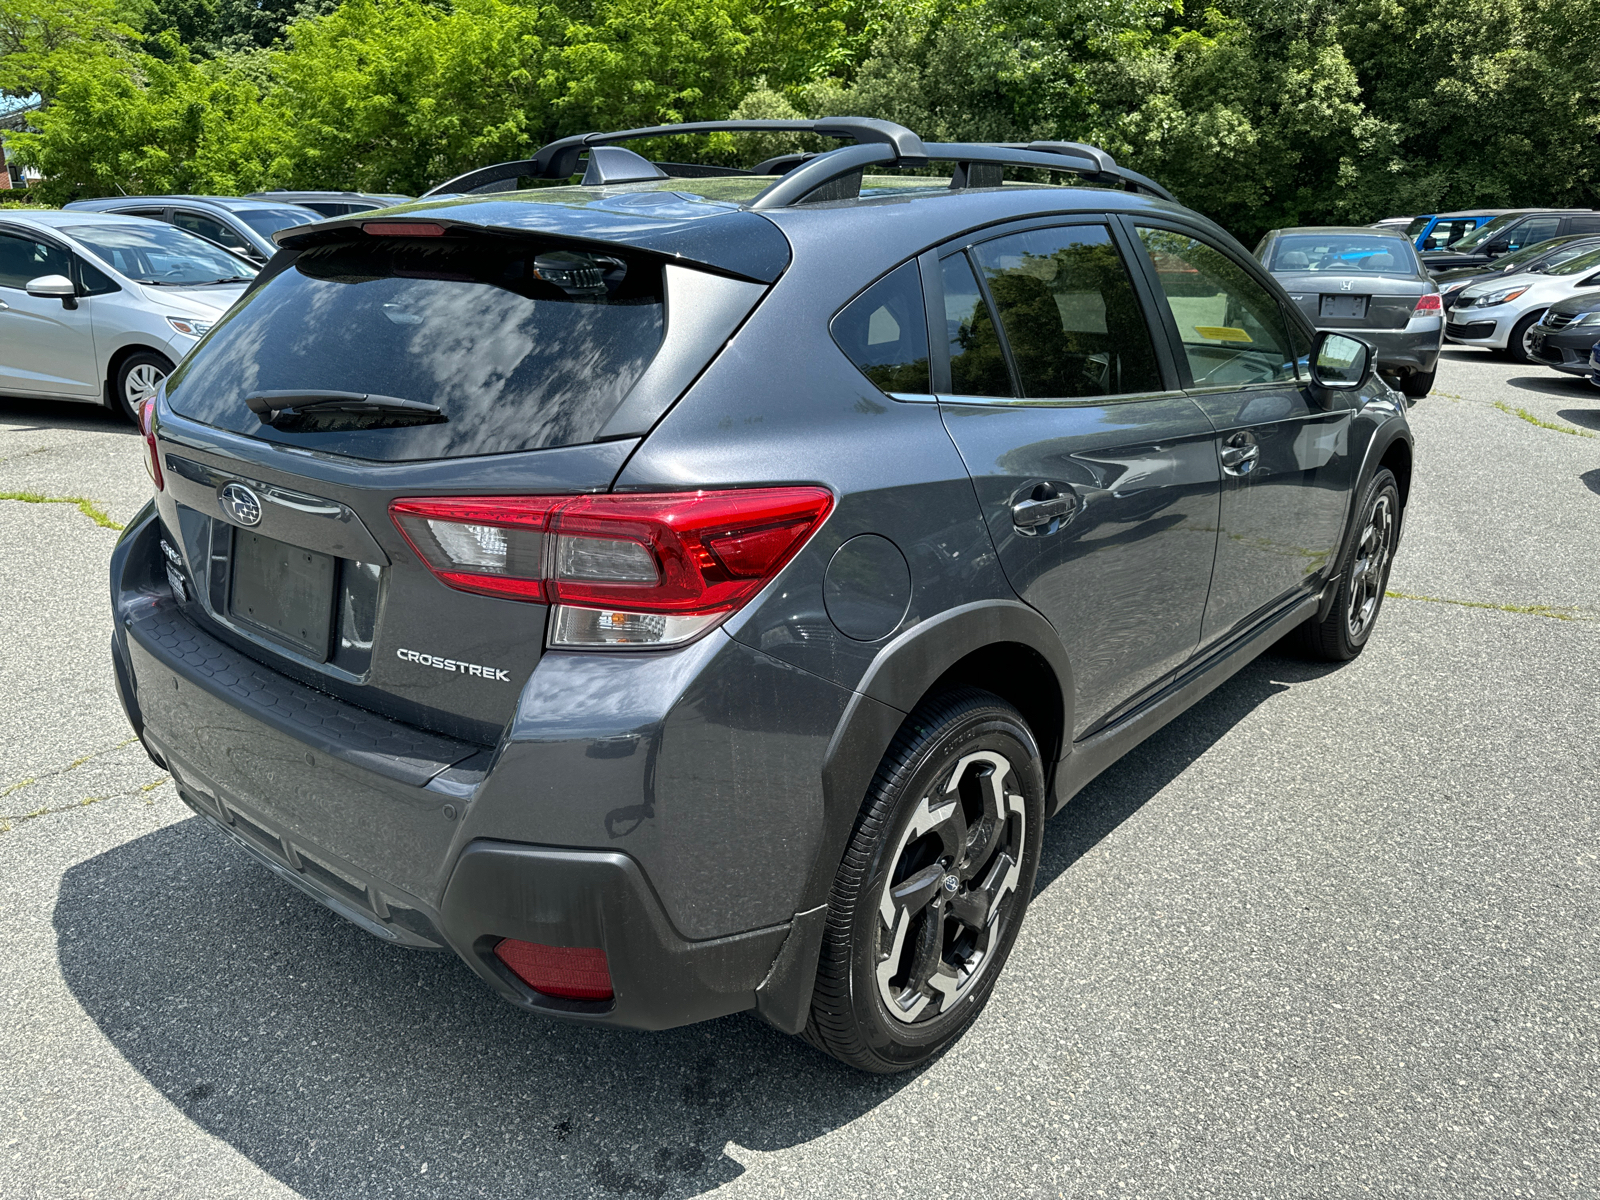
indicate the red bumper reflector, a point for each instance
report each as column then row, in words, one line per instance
column 569, row 972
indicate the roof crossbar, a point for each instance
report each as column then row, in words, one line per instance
column 559, row 159
column 834, row 174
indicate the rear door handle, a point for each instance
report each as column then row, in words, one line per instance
column 1044, row 509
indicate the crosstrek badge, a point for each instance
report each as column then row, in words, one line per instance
column 452, row 664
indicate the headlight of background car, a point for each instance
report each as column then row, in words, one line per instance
column 1588, row 318
column 190, row 326
column 1490, row 299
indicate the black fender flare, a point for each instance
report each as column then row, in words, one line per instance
column 899, row 677
column 1379, row 444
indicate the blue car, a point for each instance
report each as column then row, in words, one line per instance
column 1435, row 231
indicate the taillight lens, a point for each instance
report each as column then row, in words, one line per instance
column 1428, row 306
column 147, row 426
column 621, row 570
column 570, row 972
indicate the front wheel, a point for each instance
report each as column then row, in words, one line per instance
column 933, row 886
column 137, row 380
column 1363, row 576
column 1519, row 346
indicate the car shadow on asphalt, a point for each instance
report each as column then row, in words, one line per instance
column 343, row 1066
column 1129, row 783
column 1591, row 480
column 1553, row 384
column 1588, row 418
column 36, row 415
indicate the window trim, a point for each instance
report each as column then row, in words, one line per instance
column 933, row 285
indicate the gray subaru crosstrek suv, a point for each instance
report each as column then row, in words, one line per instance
column 690, row 590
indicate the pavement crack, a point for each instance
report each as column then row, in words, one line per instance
column 29, row 781
column 1531, row 419
column 9, row 820
column 86, row 506
column 1527, row 610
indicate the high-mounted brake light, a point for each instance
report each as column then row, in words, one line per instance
column 147, row 426
column 1428, row 305
column 403, row 229
column 621, row 570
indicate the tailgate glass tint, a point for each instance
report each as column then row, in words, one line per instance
column 519, row 344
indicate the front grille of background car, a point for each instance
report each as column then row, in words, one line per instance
column 1558, row 320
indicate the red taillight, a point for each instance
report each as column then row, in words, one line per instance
column 147, row 426
column 570, row 972
column 403, row 229
column 1429, row 306
column 650, row 569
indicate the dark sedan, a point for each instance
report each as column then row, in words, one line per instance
column 1510, row 232
column 1532, row 259
column 1368, row 281
column 1567, row 334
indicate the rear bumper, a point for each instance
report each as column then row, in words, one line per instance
column 1414, row 348
column 401, row 832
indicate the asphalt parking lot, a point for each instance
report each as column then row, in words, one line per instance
column 1332, row 933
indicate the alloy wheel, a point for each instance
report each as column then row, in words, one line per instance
column 1370, row 569
column 951, row 890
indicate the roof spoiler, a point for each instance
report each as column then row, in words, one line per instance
column 831, row 175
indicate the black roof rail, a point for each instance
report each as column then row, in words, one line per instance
column 831, row 175
column 559, row 159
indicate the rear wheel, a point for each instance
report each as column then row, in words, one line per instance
column 1363, row 576
column 1417, row 385
column 933, row 886
column 137, row 380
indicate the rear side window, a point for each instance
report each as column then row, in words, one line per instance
column 884, row 331
column 1069, row 313
column 520, row 344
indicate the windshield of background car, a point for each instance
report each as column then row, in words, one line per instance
column 1577, row 265
column 1342, row 254
column 267, row 221
column 1483, row 233
column 1418, row 224
column 520, row 345
column 151, row 252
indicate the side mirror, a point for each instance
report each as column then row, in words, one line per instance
column 1338, row 362
column 54, row 287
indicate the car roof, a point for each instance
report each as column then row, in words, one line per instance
column 312, row 194
column 1364, row 230
column 54, row 218
column 226, row 203
column 1508, row 212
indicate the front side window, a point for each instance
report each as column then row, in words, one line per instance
column 1069, row 313
column 884, row 331
column 1231, row 327
column 24, row 258
column 1531, row 233
column 1577, row 264
column 208, row 227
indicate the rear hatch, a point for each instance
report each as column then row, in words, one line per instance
column 423, row 356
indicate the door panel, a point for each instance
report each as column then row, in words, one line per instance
column 1102, row 505
column 45, row 349
column 1285, row 458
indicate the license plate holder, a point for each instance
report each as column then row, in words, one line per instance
column 1344, row 307
column 283, row 591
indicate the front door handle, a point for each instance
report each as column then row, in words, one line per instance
column 1044, row 508
column 1240, row 453
column 4, row 307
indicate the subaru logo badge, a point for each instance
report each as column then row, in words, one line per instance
column 240, row 503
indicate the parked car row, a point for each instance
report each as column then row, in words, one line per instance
column 99, row 301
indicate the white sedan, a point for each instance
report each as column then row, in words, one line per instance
column 1500, row 313
column 100, row 308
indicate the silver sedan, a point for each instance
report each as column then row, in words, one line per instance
column 1368, row 282
column 100, row 308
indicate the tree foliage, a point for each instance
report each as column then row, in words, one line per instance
column 1260, row 113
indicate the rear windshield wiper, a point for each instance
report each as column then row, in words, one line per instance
column 317, row 410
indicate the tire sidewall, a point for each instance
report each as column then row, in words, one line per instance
column 991, row 727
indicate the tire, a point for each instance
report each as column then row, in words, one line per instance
column 1417, row 385
column 963, row 773
column 1516, row 345
column 1363, row 576
column 138, row 376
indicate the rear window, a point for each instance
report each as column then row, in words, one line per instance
column 267, row 221
column 520, row 345
column 1343, row 254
